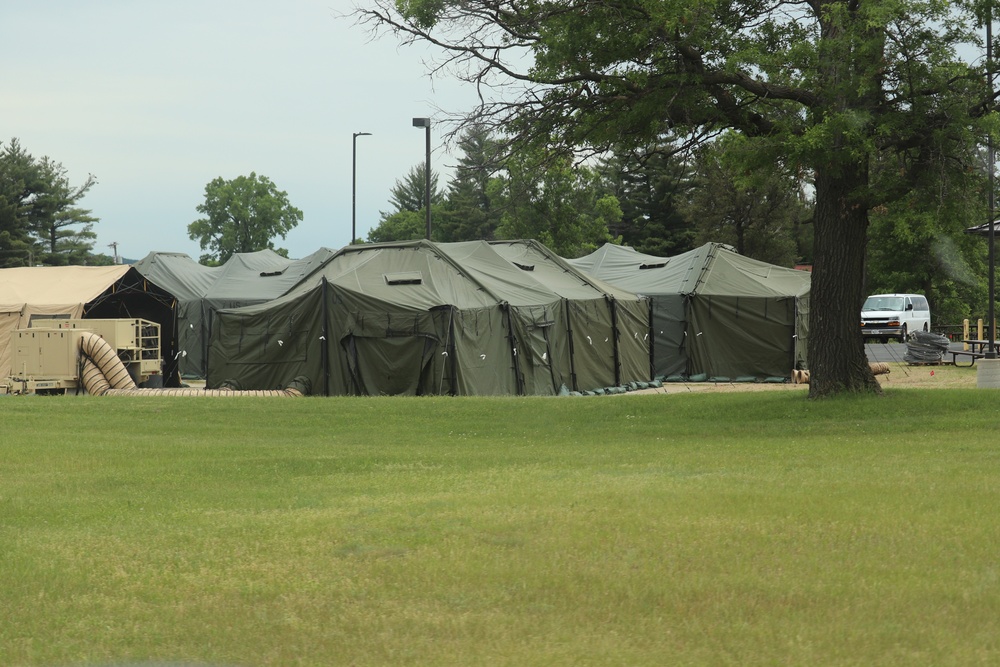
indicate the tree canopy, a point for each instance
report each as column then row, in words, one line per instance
column 41, row 221
column 244, row 214
column 408, row 220
column 759, row 212
column 868, row 95
column 529, row 195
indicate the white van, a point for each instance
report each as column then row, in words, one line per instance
column 885, row 316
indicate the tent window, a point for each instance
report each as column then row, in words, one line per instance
column 406, row 278
column 525, row 267
column 652, row 266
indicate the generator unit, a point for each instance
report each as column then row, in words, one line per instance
column 46, row 355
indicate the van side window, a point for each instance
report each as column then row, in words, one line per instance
column 920, row 303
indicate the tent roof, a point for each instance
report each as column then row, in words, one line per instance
column 424, row 275
column 518, row 284
column 984, row 229
column 414, row 273
column 57, row 285
column 713, row 268
column 555, row 273
column 253, row 276
column 178, row 274
column 516, row 272
column 263, row 275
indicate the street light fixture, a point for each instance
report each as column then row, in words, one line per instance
column 426, row 124
column 354, row 182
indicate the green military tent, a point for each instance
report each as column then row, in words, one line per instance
column 715, row 313
column 244, row 279
column 419, row 318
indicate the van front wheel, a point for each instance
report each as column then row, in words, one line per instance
column 902, row 334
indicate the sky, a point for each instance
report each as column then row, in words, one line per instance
column 156, row 99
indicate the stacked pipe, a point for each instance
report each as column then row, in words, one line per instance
column 104, row 374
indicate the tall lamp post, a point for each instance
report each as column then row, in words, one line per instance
column 426, row 124
column 354, row 182
column 991, row 232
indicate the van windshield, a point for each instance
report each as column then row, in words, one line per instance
column 883, row 303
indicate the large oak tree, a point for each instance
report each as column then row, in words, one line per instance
column 864, row 93
column 242, row 215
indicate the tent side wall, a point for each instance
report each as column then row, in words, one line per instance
column 669, row 337
column 372, row 347
column 485, row 362
column 381, row 348
column 10, row 318
column 741, row 337
column 268, row 348
column 632, row 320
column 593, row 348
column 543, row 358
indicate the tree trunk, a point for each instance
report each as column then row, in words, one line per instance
column 837, row 361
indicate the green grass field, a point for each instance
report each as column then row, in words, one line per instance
column 722, row 529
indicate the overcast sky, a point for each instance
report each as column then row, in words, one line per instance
column 158, row 98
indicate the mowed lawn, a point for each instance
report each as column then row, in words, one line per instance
column 698, row 529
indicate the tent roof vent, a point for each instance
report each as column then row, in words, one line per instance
column 268, row 274
column 525, row 267
column 404, row 278
column 652, row 266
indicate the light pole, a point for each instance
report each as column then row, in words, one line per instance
column 354, row 182
column 426, row 124
column 991, row 350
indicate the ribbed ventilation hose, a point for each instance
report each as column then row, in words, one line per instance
column 878, row 368
column 105, row 361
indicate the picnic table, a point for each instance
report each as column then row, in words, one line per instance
column 977, row 350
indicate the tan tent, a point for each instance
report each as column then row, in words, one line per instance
column 75, row 292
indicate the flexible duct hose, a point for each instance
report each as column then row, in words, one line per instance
column 93, row 379
column 106, row 360
column 189, row 391
column 104, row 374
column 878, row 368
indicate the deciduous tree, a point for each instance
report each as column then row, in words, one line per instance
column 757, row 211
column 836, row 86
column 568, row 208
column 244, row 214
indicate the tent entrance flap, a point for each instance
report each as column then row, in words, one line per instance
column 389, row 366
